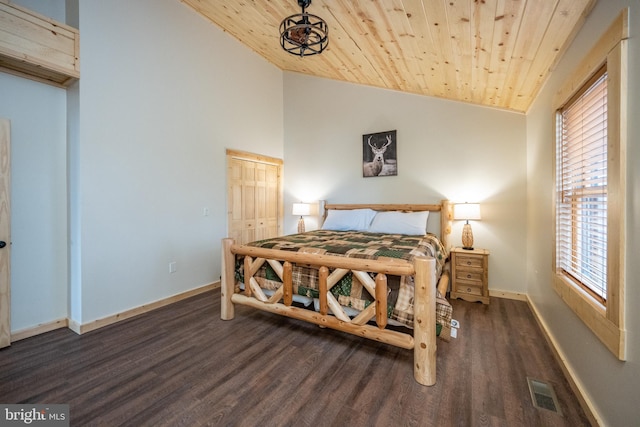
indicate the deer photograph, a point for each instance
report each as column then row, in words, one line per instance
column 379, row 154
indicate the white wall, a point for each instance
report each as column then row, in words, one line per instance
column 446, row 150
column 612, row 386
column 162, row 93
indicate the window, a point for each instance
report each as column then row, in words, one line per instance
column 589, row 205
column 581, row 188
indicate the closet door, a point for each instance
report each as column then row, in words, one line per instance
column 254, row 204
column 267, row 192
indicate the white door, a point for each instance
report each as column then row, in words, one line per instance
column 5, row 234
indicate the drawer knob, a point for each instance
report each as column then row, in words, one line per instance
column 468, row 262
column 468, row 276
column 469, row 290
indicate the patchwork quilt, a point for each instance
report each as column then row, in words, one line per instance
column 349, row 291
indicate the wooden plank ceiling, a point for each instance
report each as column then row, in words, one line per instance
column 489, row 52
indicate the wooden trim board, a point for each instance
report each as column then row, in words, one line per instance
column 5, row 232
column 497, row 293
column 40, row 329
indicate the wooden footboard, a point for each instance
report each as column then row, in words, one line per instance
column 423, row 340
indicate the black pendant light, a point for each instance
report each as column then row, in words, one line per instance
column 304, row 34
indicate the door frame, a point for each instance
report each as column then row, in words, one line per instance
column 5, row 232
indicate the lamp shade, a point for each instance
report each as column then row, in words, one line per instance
column 466, row 211
column 301, row 209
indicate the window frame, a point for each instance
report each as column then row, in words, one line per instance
column 606, row 320
column 580, row 219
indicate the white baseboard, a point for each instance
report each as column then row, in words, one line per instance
column 79, row 328
column 75, row 326
column 576, row 385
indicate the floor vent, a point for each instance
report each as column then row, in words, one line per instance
column 543, row 396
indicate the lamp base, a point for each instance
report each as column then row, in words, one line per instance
column 467, row 237
column 467, row 249
column 301, row 225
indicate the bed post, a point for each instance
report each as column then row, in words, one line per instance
column 446, row 221
column 424, row 323
column 227, row 280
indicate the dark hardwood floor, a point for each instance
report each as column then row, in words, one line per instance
column 182, row 366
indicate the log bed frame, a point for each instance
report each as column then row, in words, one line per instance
column 423, row 339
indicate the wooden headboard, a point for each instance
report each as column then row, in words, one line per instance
column 445, row 209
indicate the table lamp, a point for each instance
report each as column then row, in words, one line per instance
column 301, row 209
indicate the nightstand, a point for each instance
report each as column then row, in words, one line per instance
column 470, row 278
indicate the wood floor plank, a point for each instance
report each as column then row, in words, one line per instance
column 181, row 365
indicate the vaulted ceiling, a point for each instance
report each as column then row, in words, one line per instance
column 494, row 53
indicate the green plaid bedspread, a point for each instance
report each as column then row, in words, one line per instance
column 349, row 291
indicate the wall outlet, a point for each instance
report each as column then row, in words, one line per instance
column 172, row 267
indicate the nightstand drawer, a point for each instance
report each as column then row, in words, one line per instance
column 466, row 288
column 469, row 261
column 475, row 276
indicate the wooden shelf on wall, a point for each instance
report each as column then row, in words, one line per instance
column 37, row 47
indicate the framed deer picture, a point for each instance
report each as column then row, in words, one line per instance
column 379, row 154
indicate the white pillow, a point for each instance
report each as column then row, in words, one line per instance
column 346, row 220
column 395, row 222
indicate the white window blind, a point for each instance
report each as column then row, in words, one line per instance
column 581, row 185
